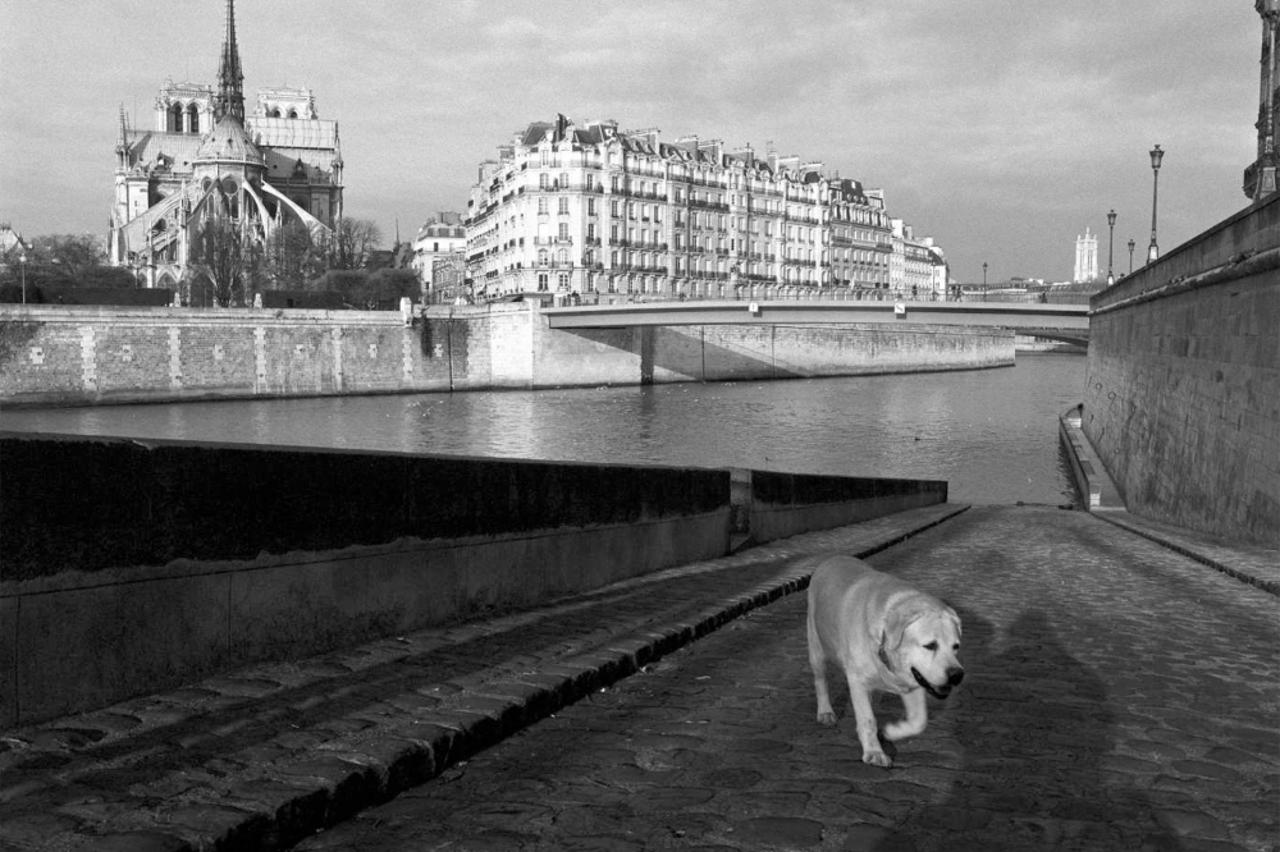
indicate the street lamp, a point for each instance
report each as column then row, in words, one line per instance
column 1157, row 155
column 1111, row 241
column 984, row 276
column 22, row 267
column 1131, row 244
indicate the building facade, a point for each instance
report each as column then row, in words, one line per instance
column 439, row 251
column 596, row 212
column 1086, row 268
column 1260, row 176
column 205, row 156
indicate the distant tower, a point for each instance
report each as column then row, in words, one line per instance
column 1260, row 176
column 1086, row 258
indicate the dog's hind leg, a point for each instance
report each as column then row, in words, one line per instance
column 917, row 717
column 818, row 662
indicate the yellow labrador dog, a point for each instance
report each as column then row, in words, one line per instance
column 884, row 635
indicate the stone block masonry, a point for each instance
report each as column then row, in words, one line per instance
column 1182, row 401
column 77, row 355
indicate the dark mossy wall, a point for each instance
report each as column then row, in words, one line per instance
column 93, row 504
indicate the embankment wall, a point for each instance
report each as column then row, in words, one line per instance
column 75, row 355
column 1182, row 401
column 131, row 566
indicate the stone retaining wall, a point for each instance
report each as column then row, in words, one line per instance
column 74, row 355
column 1182, row 401
column 131, row 566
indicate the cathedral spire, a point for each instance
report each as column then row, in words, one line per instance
column 230, row 97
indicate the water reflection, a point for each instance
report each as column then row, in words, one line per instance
column 991, row 433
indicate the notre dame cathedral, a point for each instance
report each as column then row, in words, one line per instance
column 205, row 158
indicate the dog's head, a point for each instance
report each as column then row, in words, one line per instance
column 922, row 641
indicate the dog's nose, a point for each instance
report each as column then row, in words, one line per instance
column 955, row 676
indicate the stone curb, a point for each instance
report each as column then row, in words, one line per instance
column 1100, row 497
column 1244, row 575
column 418, row 739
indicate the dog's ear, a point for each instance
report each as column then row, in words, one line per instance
column 895, row 626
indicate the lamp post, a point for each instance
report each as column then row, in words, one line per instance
column 22, row 268
column 1153, row 251
column 984, row 277
column 1111, row 241
column 1131, row 245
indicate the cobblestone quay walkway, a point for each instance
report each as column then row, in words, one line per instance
column 1118, row 695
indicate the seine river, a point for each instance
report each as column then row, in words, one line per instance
column 992, row 434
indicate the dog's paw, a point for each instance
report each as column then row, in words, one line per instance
column 877, row 758
column 828, row 719
column 899, row 730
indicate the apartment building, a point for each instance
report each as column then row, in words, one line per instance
column 595, row 212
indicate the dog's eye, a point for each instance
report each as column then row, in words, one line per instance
column 932, row 646
column 955, row 647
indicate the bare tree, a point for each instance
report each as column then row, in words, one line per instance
column 218, row 256
column 351, row 243
column 290, row 258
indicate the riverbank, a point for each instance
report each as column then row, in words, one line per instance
column 72, row 355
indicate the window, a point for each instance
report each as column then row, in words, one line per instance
column 564, row 281
column 564, row 180
column 564, row 204
column 591, row 207
column 564, row 230
column 544, row 181
column 542, row 205
column 591, row 181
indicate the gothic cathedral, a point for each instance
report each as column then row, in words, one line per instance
column 206, row 160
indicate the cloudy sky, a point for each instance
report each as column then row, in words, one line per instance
column 1003, row 128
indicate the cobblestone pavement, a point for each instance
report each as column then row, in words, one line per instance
column 1118, row 695
column 259, row 757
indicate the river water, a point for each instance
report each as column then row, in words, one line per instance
column 992, row 434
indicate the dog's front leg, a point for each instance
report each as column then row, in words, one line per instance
column 865, row 717
column 917, row 717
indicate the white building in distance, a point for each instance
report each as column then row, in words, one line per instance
column 439, row 252
column 591, row 211
column 1086, row 258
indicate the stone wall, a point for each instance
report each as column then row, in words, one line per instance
column 133, row 566
column 1182, row 401
column 65, row 355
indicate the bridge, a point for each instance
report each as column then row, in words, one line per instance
column 1069, row 323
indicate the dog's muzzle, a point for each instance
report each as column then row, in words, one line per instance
column 954, row 676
